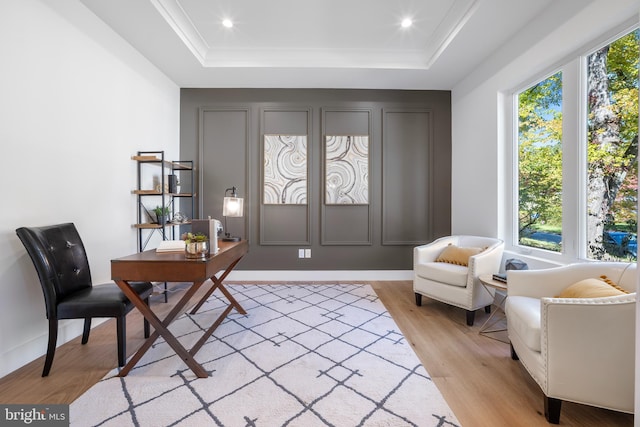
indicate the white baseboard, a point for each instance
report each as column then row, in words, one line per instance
column 318, row 275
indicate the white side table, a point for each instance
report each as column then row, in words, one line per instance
column 488, row 281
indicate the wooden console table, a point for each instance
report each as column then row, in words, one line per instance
column 151, row 266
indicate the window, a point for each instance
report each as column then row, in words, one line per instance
column 540, row 164
column 612, row 150
column 577, row 188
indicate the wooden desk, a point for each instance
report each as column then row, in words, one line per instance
column 174, row 267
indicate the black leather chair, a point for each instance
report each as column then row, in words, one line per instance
column 60, row 259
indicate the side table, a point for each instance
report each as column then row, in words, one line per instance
column 488, row 282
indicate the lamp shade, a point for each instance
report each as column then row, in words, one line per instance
column 233, row 206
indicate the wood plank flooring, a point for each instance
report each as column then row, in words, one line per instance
column 476, row 375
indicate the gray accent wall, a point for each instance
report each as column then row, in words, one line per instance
column 409, row 172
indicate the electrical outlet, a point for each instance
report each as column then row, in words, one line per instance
column 300, row 253
column 307, row 253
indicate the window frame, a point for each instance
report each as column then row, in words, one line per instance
column 574, row 153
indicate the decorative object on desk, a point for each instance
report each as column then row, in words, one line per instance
column 171, row 246
column 304, row 355
column 232, row 206
column 196, row 245
column 209, row 227
column 162, row 214
column 515, row 264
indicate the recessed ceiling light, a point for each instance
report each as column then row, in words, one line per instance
column 406, row 23
column 227, row 23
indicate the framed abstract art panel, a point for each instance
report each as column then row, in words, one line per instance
column 347, row 170
column 285, row 170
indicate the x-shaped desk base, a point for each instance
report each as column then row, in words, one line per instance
column 161, row 326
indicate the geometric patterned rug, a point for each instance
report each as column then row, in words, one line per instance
column 304, row 355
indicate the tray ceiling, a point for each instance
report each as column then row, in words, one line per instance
column 325, row 43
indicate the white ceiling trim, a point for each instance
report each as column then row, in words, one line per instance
column 461, row 11
column 181, row 24
column 316, row 58
column 179, row 21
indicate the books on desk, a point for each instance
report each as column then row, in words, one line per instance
column 502, row 277
column 171, row 246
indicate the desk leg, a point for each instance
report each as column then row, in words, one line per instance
column 217, row 283
column 203, row 339
column 161, row 329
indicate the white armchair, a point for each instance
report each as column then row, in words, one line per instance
column 577, row 349
column 453, row 284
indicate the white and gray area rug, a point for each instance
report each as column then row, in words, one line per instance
column 304, row 355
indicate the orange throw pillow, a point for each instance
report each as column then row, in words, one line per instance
column 453, row 254
column 592, row 288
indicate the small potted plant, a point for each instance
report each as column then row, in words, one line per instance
column 196, row 245
column 162, row 214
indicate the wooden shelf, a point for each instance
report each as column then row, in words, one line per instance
column 150, row 225
column 181, row 166
column 167, row 163
column 147, row 192
column 147, row 226
column 157, row 193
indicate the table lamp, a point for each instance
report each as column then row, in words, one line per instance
column 232, row 206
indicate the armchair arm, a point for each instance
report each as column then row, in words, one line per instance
column 588, row 347
column 487, row 261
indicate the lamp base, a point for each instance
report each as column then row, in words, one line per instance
column 231, row 239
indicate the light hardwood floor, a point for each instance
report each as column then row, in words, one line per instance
column 476, row 375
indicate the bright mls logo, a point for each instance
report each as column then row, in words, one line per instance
column 34, row 415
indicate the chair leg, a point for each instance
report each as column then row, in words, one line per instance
column 146, row 322
column 514, row 355
column 471, row 316
column 418, row 299
column 552, row 409
column 487, row 309
column 87, row 329
column 121, row 326
column 51, row 346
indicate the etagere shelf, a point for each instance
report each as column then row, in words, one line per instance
column 156, row 172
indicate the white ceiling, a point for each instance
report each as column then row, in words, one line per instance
column 317, row 44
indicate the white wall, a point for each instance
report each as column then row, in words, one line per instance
column 76, row 102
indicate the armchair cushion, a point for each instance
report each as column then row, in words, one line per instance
column 451, row 274
column 453, row 254
column 592, row 288
column 527, row 323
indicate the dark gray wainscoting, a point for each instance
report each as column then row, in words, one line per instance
column 409, row 172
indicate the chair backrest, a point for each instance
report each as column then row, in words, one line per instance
column 60, row 259
column 477, row 241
